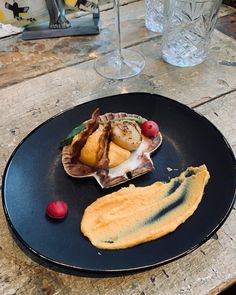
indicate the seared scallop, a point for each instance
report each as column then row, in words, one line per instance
column 126, row 134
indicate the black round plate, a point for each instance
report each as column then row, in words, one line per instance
column 34, row 176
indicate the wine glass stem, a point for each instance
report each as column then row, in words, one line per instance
column 117, row 23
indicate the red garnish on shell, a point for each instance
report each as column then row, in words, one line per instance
column 57, row 209
column 149, row 128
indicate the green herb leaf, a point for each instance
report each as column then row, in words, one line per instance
column 70, row 136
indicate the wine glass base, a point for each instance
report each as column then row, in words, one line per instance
column 112, row 67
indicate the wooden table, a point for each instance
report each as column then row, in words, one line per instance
column 39, row 79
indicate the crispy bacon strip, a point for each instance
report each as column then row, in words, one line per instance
column 102, row 155
column 91, row 126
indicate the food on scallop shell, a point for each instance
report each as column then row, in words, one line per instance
column 126, row 134
column 109, row 147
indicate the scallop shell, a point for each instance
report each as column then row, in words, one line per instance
column 139, row 162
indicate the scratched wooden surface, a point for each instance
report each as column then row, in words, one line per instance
column 21, row 60
column 49, row 76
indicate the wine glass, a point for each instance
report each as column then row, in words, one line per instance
column 121, row 63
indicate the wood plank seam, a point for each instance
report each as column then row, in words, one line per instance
column 213, row 98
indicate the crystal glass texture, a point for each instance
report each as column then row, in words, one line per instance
column 188, row 29
column 154, row 15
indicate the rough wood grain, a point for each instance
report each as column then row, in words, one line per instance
column 210, row 88
column 21, row 60
column 69, row 86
